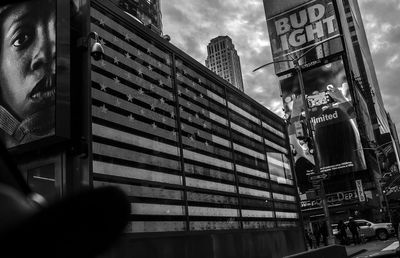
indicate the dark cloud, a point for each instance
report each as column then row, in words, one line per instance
column 192, row 24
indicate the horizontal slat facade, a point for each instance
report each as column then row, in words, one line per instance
column 191, row 153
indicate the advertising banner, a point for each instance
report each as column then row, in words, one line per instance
column 29, row 71
column 360, row 190
column 332, row 116
column 298, row 30
column 334, row 199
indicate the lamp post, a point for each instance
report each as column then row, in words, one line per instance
column 385, row 194
column 310, row 130
column 380, row 172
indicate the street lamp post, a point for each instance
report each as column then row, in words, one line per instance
column 315, row 154
column 380, row 172
column 385, row 194
column 299, row 73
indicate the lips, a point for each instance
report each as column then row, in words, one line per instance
column 44, row 89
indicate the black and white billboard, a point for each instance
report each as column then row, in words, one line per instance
column 333, row 117
column 34, row 71
column 310, row 29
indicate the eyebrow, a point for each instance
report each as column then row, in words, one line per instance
column 16, row 18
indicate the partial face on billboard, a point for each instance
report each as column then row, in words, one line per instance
column 27, row 71
column 298, row 30
column 332, row 115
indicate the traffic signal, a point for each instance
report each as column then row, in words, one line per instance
column 301, row 130
column 310, row 146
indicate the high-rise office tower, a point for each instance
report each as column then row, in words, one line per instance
column 222, row 58
column 146, row 11
column 366, row 76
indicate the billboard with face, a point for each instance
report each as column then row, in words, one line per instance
column 298, row 30
column 32, row 71
column 332, row 115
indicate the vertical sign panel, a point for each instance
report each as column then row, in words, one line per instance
column 296, row 31
column 332, row 114
column 360, row 190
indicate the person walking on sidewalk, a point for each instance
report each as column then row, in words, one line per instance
column 309, row 238
column 324, row 233
column 395, row 222
column 342, row 232
column 353, row 227
column 317, row 234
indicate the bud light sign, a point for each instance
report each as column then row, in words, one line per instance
column 296, row 31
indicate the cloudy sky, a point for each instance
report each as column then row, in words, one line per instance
column 192, row 23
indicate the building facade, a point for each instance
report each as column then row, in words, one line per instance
column 222, row 58
column 207, row 169
column 147, row 11
column 348, row 119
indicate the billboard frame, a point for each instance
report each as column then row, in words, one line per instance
column 329, row 39
column 62, row 102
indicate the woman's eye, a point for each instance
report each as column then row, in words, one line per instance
column 21, row 40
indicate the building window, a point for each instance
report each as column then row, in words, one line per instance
column 42, row 181
column 279, row 168
column 45, row 177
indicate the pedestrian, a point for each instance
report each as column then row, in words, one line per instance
column 317, row 234
column 342, row 232
column 324, row 233
column 395, row 222
column 309, row 238
column 353, row 227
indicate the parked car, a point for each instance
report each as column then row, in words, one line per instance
column 369, row 229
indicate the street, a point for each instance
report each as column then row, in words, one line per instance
column 373, row 248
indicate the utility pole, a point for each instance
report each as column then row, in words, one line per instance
column 375, row 149
column 317, row 171
column 315, row 154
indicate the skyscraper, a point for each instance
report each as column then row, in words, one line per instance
column 222, row 58
column 146, row 11
column 366, row 77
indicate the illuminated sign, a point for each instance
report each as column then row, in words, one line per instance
column 332, row 116
column 332, row 199
column 360, row 190
column 306, row 25
column 34, row 71
column 295, row 31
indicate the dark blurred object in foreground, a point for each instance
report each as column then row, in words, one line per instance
column 81, row 225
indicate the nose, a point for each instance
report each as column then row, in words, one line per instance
column 44, row 49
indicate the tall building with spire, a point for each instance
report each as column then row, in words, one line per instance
column 222, row 58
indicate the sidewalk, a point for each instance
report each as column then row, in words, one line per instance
column 372, row 248
column 354, row 250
